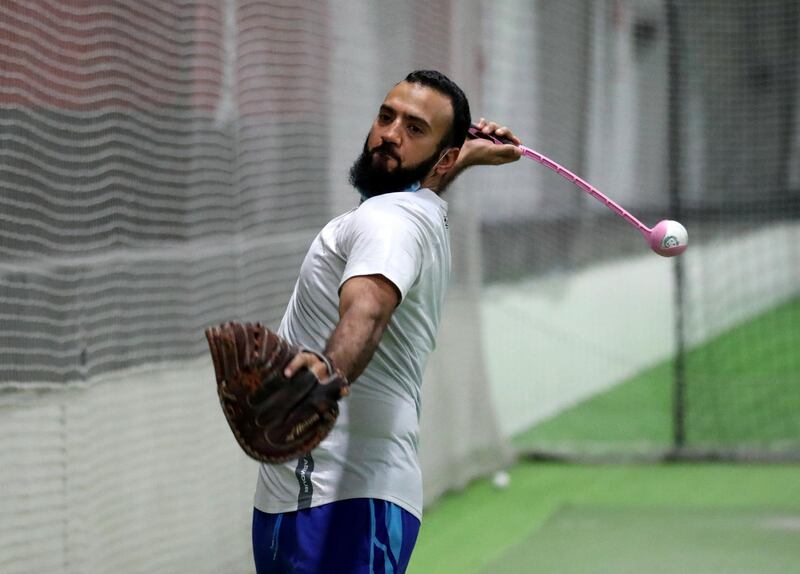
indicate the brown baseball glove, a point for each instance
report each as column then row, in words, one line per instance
column 273, row 418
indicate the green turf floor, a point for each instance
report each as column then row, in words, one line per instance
column 579, row 539
column 484, row 529
column 742, row 390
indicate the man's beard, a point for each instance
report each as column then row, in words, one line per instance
column 371, row 180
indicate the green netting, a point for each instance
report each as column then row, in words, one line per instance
column 742, row 397
column 743, row 387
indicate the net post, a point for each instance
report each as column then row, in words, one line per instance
column 673, row 171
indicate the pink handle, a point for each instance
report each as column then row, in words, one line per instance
column 568, row 175
column 587, row 187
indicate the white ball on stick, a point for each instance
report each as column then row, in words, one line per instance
column 668, row 238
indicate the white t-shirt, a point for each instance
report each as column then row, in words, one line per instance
column 372, row 450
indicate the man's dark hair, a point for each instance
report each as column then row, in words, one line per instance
column 461, row 116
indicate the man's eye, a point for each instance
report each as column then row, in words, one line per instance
column 416, row 130
column 384, row 117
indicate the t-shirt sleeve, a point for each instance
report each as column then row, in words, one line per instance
column 380, row 240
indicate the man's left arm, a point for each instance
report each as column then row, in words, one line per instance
column 366, row 304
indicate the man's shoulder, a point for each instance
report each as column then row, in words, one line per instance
column 419, row 205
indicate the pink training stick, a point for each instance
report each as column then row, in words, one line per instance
column 667, row 238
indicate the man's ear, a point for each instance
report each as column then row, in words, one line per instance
column 447, row 161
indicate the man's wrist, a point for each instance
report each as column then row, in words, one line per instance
column 326, row 360
column 465, row 160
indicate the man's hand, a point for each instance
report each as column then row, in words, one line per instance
column 309, row 360
column 484, row 152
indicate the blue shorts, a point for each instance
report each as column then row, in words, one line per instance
column 355, row 536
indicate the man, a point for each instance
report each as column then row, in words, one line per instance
column 370, row 293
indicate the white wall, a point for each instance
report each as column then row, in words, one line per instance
column 552, row 342
column 135, row 474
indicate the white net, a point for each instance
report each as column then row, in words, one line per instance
column 146, row 194
column 166, row 165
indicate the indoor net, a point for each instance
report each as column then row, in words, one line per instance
column 165, row 165
column 677, row 110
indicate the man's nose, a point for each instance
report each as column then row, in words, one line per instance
column 391, row 132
